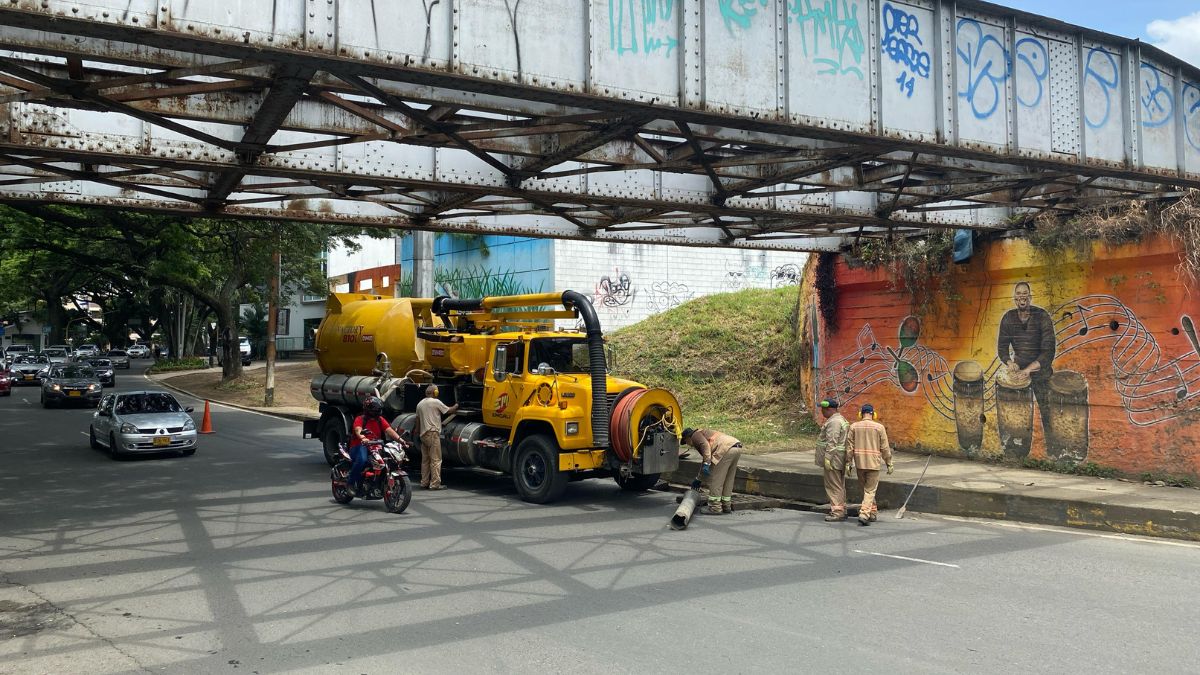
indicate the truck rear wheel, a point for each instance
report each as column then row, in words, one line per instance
column 535, row 471
column 330, row 440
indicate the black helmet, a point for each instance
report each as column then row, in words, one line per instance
column 373, row 406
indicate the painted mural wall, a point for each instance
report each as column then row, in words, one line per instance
column 1080, row 357
column 472, row 267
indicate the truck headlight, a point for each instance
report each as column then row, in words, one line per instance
column 572, row 428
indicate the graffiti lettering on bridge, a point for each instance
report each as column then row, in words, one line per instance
column 641, row 27
column 1191, row 113
column 1158, row 103
column 989, row 65
column 614, row 291
column 739, row 13
column 830, row 35
column 1100, row 72
column 902, row 43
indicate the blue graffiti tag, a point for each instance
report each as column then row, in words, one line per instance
column 1100, row 67
column 987, row 68
column 641, row 24
column 739, row 12
column 902, row 44
column 1191, row 113
column 1033, row 55
column 1158, row 103
column 834, row 26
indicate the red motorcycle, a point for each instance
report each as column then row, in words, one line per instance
column 383, row 478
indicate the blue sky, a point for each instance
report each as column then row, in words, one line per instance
column 1178, row 30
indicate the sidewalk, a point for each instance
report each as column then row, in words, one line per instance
column 975, row 489
column 953, row 487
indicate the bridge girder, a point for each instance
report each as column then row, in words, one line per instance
column 160, row 105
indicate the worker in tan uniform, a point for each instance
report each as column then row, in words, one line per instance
column 867, row 442
column 429, row 426
column 831, row 457
column 720, row 454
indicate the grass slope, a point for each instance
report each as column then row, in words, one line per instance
column 731, row 358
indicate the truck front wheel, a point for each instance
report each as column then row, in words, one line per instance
column 330, row 440
column 535, row 471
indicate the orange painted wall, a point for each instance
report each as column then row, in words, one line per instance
column 1125, row 392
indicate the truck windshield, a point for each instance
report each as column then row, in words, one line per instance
column 563, row 354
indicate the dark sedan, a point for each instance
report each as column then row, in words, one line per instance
column 71, row 383
column 29, row 369
column 105, row 371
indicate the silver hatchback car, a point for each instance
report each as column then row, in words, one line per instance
column 142, row 421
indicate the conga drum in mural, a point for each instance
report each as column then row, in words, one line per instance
column 1067, row 437
column 1014, row 416
column 968, row 405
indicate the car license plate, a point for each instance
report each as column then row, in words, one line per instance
column 74, row 393
column 29, row 377
column 161, row 441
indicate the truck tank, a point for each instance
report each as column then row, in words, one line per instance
column 358, row 326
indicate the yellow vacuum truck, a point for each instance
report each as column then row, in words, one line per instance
column 534, row 401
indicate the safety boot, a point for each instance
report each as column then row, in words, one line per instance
column 835, row 518
column 726, row 507
column 714, row 508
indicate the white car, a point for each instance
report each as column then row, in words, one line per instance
column 86, row 351
column 138, row 352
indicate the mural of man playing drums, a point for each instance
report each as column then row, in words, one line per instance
column 1026, row 345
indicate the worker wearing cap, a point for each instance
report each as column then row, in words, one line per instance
column 831, row 457
column 720, row 454
column 868, row 444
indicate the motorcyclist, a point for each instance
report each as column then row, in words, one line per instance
column 367, row 427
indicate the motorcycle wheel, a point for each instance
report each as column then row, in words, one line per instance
column 397, row 493
column 341, row 493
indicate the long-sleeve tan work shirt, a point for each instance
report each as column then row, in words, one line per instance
column 713, row 444
column 868, row 442
column 833, row 442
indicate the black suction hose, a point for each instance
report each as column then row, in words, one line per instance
column 596, row 362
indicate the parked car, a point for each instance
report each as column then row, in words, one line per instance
column 119, row 358
column 56, row 355
column 142, row 421
column 243, row 349
column 5, row 380
column 105, row 371
column 139, row 352
column 29, row 369
column 13, row 351
column 86, row 352
column 71, row 383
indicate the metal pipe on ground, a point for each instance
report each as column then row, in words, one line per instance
column 683, row 514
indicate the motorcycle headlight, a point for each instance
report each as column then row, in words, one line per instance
column 128, row 428
column 189, row 424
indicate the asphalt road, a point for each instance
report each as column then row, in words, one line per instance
column 237, row 560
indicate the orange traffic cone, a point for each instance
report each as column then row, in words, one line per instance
column 206, row 423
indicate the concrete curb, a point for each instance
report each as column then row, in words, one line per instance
column 291, row 416
column 807, row 485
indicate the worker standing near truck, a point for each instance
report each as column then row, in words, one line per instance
column 720, row 454
column 868, row 443
column 831, row 457
column 429, row 425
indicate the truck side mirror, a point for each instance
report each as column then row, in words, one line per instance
column 498, row 361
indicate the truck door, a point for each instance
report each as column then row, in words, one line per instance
column 506, row 383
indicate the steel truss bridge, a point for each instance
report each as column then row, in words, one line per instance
column 789, row 124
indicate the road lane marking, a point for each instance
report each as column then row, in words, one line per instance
column 1067, row 530
column 904, row 557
